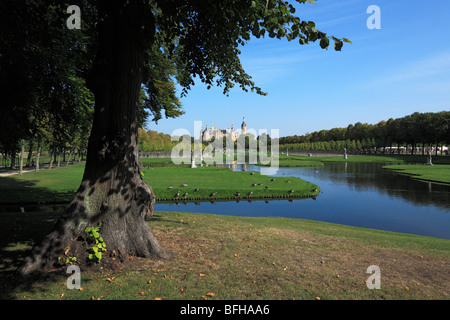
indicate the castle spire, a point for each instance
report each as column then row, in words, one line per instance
column 243, row 126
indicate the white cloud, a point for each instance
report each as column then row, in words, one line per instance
column 432, row 66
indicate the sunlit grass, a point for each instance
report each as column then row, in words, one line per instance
column 227, row 257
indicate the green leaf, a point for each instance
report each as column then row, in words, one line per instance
column 338, row 45
column 98, row 255
column 324, row 42
column 346, row 40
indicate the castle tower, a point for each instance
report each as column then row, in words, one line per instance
column 243, row 126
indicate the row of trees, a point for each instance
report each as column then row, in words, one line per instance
column 47, row 104
column 86, row 90
column 153, row 141
column 45, row 101
column 350, row 145
column 416, row 131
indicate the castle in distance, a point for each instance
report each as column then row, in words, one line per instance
column 211, row 132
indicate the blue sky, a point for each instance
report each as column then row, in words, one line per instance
column 402, row 68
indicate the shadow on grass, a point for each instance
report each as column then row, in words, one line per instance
column 24, row 222
column 21, row 191
column 28, row 212
column 159, row 218
column 19, row 231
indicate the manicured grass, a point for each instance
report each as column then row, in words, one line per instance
column 60, row 184
column 224, row 257
column 292, row 162
column 376, row 158
column 159, row 162
column 223, row 181
column 314, row 161
column 438, row 173
column 55, row 185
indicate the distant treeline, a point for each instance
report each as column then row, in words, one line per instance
column 416, row 131
column 153, row 141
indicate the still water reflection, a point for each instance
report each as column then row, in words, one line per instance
column 356, row 194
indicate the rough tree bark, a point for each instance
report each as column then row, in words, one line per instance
column 112, row 191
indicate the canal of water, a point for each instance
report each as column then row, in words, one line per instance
column 355, row 194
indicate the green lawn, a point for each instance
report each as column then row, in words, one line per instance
column 292, row 162
column 151, row 162
column 56, row 185
column 60, row 184
column 226, row 257
column 223, row 181
column 437, row 173
column 375, row 158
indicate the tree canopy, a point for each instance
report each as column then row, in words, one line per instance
column 415, row 130
column 127, row 54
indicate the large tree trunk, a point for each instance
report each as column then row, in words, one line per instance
column 22, row 155
column 38, row 154
column 30, row 152
column 52, row 156
column 112, row 192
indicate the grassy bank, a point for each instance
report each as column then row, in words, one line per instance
column 439, row 173
column 223, row 182
column 373, row 158
column 60, row 184
column 226, row 257
column 292, row 162
column 56, row 185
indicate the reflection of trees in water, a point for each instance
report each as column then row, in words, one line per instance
column 372, row 177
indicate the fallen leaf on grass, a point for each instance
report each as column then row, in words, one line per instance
column 202, row 274
column 110, row 279
column 210, row 294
